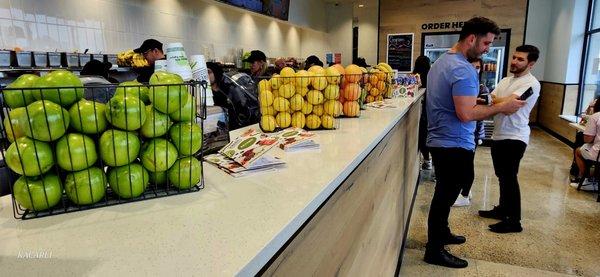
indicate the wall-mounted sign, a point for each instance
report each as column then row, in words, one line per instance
column 400, row 51
column 442, row 25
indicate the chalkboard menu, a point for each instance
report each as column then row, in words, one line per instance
column 400, row 51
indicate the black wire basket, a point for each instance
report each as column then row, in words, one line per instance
column 69, row 151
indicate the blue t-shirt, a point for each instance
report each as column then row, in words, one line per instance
column 450, row 75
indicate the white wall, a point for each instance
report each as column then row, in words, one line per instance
column 339, row 28
column 538, row 31
column 368, row 29
column 112, row 26
column 566, row 24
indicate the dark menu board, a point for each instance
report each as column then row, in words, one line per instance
column 400, row 51
column 274, row 8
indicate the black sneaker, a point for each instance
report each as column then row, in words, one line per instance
column 505, row 226
column 494, row 213
column 444, row 258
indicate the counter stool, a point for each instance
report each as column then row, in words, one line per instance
column 588, row 165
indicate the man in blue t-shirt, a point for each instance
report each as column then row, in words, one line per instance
column 452, row 88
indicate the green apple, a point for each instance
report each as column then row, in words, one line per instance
column 86, row 187
column 128, row 181
column 39, row 193
column 60, row 86
column 88, row 117
column 134, row 88
column 75, row 152
column 14, row 128
column 187, row 112
column 166, row 92
column 156, row 124
column 19, row 92
column 118, row 147
column 29, row 157
column 185, row 173
column 158, row 178
column 158, row 155
column 48, row 121
column 187, row 137
column 127, row 113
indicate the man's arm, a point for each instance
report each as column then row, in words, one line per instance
column 468, row 110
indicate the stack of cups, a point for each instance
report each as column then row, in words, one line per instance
column 200, row 73
column 177, row 61
column 160, row 65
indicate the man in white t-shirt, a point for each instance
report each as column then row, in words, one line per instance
column 510, row 138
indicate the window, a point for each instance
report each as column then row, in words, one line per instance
column 589, row 88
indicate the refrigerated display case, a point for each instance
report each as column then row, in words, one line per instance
column 494, row 62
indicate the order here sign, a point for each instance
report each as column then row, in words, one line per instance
column 443, row 25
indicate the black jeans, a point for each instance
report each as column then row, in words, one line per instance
column 506, row 155
column 453, row 169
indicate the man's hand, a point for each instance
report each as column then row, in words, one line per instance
column 510, row 105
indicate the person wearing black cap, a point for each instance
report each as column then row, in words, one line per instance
column 312, row 60
column 258, row 64
column 152, row 51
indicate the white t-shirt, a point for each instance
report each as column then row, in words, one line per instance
column 516, row 125
column 592, row 129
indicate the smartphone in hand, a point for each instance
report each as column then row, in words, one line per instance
column 526, row 94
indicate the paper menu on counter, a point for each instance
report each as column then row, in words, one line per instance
column 381, row 105
column 295, row 139
column 248, row 147
column 264, row 163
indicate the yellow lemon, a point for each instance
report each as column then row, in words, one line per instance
column 333, row 75
column 306, row 107
column 319, row 82
column 264, row 85
column 296, row 102
column 318, row 109
column 283, row 119
column 298, row 120
column 268, row 110
column 314, row 97
column 287, row 90
column 333, row 108
column 281, row 104
column 327, row 121
column 302, row 91
column 302, row 78
column 287, row 74
column 332, row 92
column 267, row 123
column 275, row 81
column 313, row 121
column 266, row 98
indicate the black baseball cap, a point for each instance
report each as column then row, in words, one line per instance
column 256, row 55
column 149, row 44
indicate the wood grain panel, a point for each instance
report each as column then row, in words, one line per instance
column 358, row 231
column 550, row 107
column 408, row 16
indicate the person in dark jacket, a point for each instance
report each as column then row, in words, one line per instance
column 312, row 60
column 152, row 50
column 422, row 66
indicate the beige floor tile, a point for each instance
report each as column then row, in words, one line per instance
column 561, row 225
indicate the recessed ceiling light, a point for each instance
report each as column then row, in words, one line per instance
column 361, row 5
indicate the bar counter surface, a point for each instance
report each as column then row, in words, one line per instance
column 234, row 226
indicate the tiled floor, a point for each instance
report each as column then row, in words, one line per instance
column 561, row 225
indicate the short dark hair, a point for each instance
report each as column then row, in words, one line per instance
column 478, row 26
column 533, row 53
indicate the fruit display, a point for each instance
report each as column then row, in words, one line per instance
column 130, row 58
column 376, row 83
column 79, row 152
column 292, row 98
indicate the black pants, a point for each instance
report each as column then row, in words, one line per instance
column 506, row 155
column 453, row 169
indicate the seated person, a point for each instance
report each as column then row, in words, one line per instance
column 236, row 93
column 591, row 137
